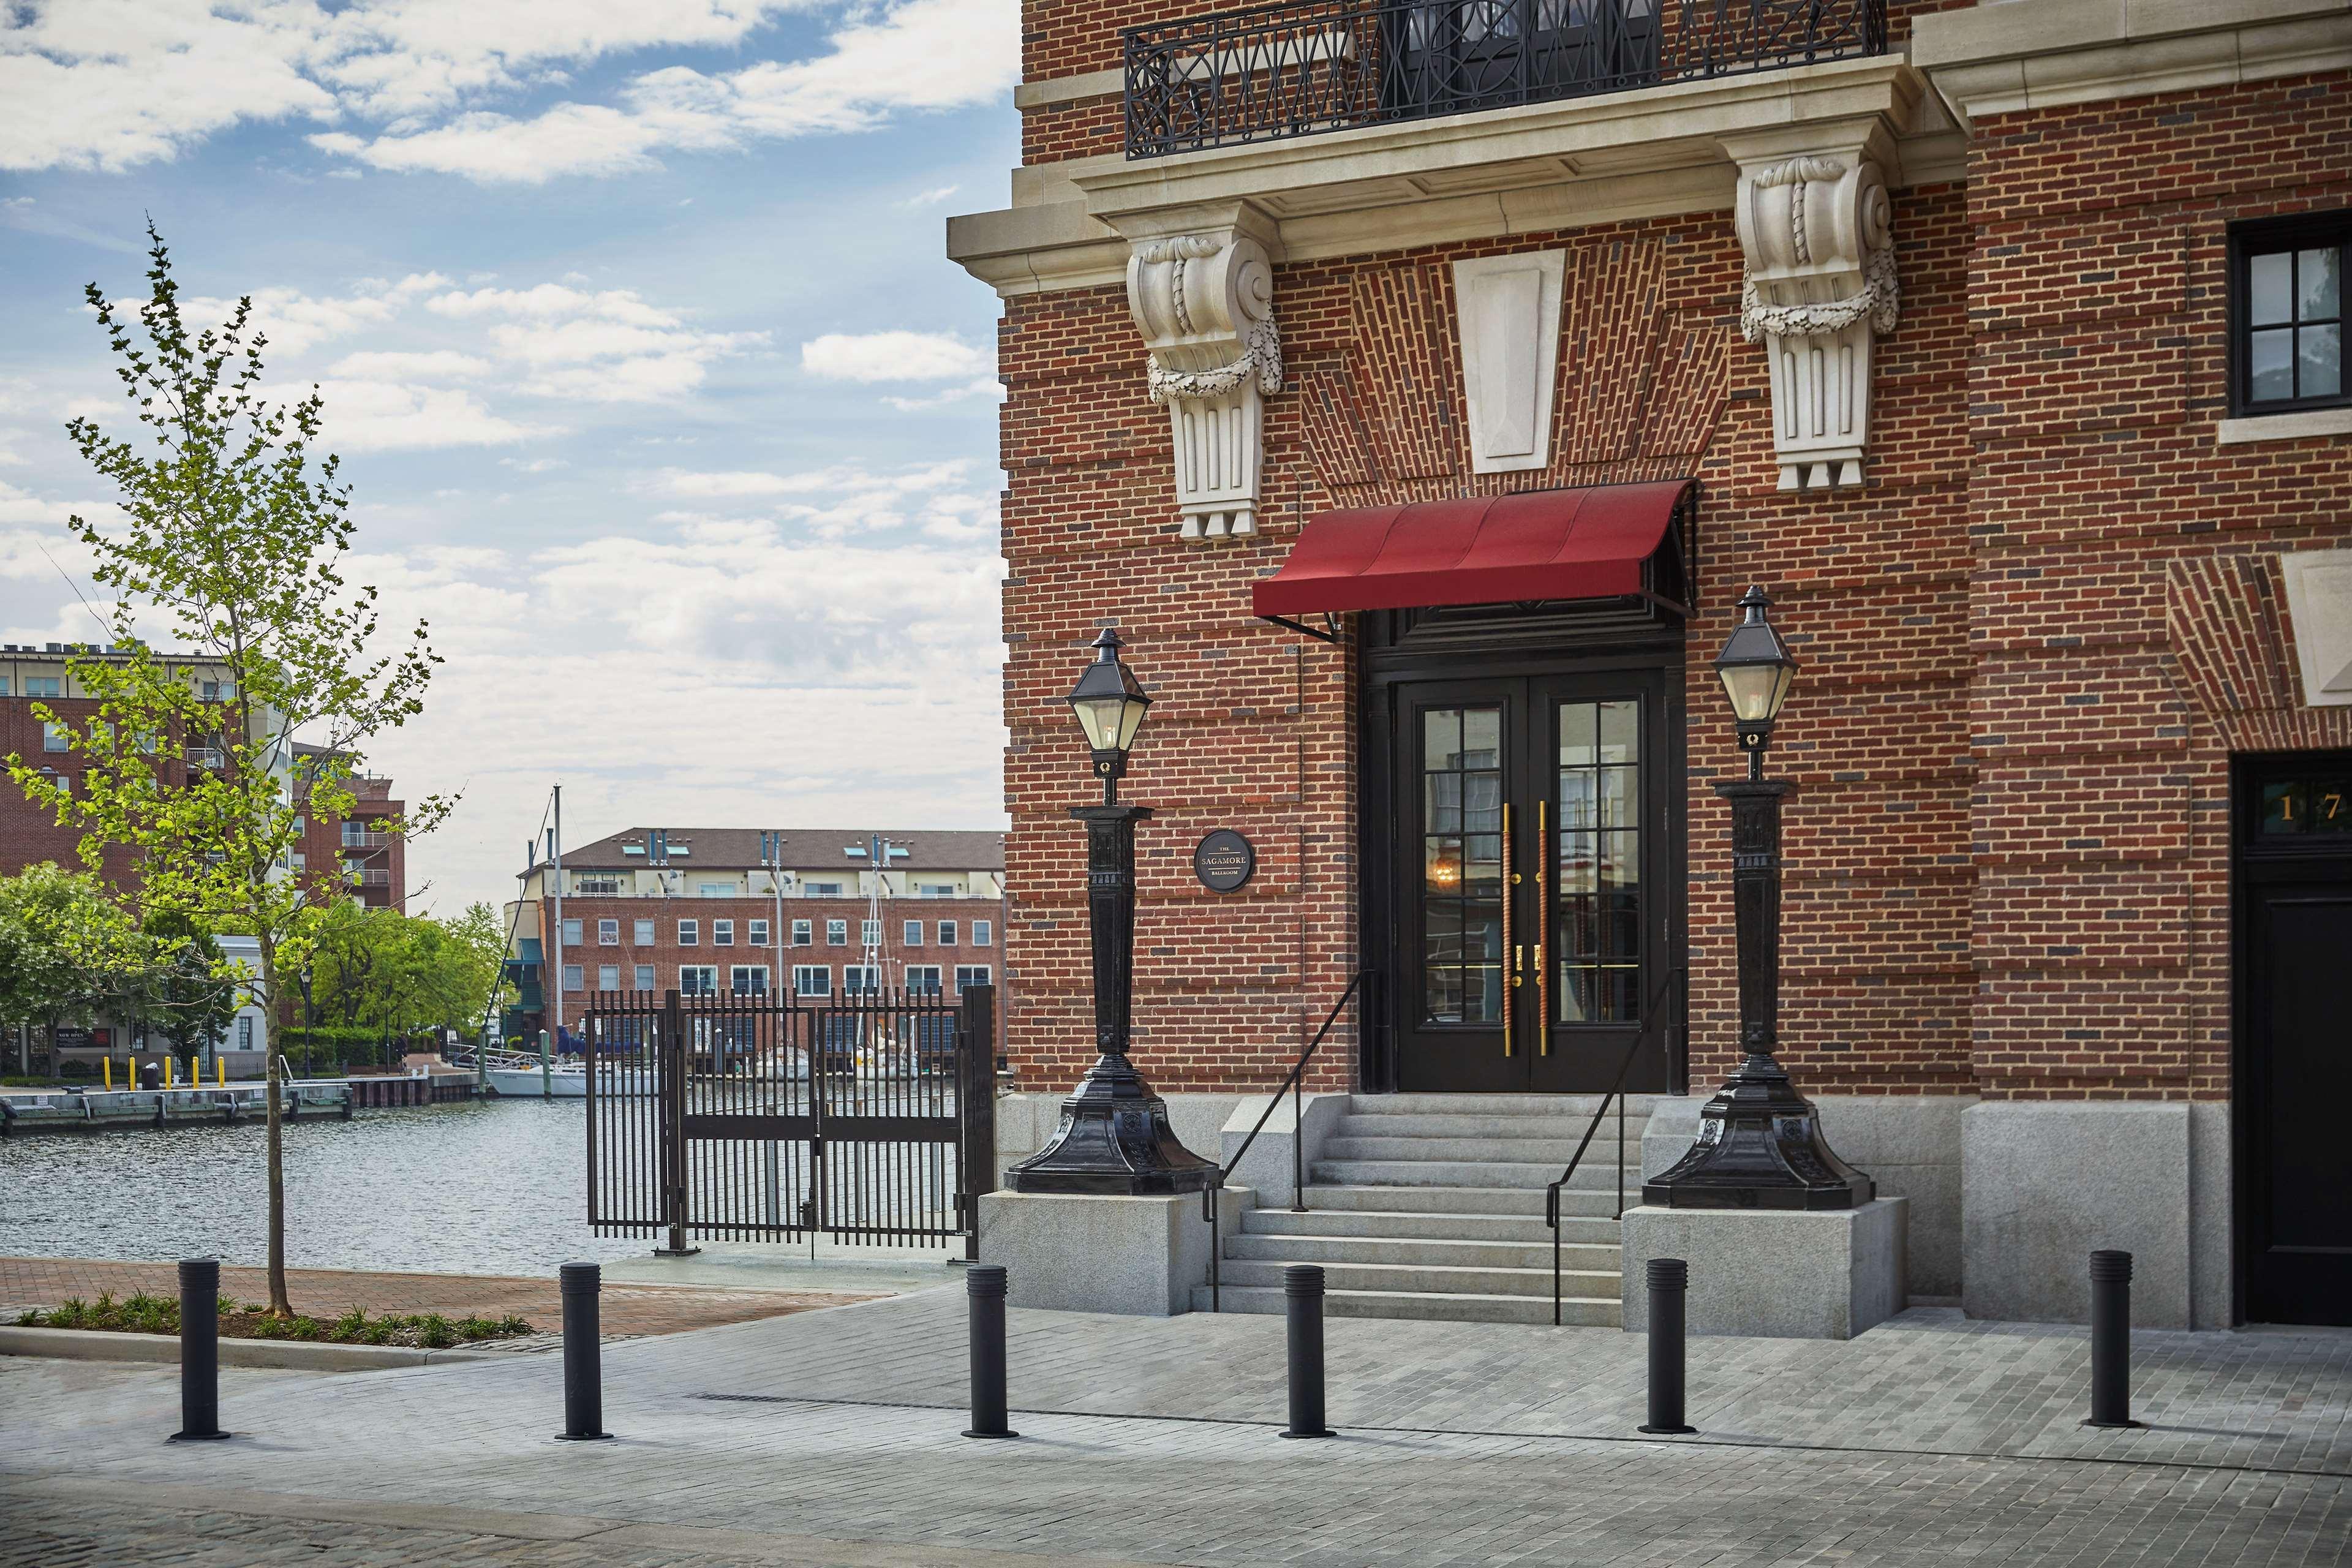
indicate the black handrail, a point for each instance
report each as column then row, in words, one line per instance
column 1616, row 1094
column 1297, row 1141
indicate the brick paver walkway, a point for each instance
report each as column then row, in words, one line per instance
column 627, row 1311
column 832, row 1437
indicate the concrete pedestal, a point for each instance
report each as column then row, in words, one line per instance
column 1076, row 1254
column 1775, row 1274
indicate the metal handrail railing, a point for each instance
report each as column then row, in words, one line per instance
column 1616, row 1094
column 1297, row 1143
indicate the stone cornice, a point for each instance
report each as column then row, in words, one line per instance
column 1536, row 169
column 1054, row 91
column 2048, row 53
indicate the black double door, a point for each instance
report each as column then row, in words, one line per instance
column 1533, row 887
column 2294, row 1055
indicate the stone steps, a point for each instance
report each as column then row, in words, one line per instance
column 1581, row 1312
column 1428, row 1205
column 1598, row 1229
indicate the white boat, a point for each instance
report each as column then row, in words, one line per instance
column 527, row 1079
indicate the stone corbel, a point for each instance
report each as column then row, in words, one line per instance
column 1815, row 228
column 1204, row 300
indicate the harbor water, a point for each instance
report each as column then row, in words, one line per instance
column 483, row 1188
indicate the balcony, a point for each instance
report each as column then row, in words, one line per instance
column 1306, row 67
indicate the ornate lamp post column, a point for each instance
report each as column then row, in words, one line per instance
column 1760, row 1145
column 1114, row 1138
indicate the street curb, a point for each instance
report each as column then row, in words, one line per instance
column 298, row 1355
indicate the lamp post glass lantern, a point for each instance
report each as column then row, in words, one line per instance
column 1760, row 1142
column 1114, row 1139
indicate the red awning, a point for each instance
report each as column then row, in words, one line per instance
column 1489, row 550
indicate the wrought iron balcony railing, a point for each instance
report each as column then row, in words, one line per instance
column 1303, row 67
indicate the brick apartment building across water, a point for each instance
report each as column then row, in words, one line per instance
column 699, row 909
column 2000, row 343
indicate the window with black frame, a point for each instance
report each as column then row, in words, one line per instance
column 2286, row 317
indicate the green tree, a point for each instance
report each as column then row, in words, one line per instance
column 231, row 542
column 186, row 994
column 69, row 951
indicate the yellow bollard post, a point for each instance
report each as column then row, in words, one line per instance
column 220, row 1072
column 170, row 1061
column 106, row 1064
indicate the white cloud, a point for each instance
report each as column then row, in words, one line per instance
column 843, row 479
column 914, row 56
column 22, row 506
column 986, row 387
column 534, row 465
column 385, row 417
column 441, row 364
column 891, row 356
column 295, row 323
column 930, row 198
column 608, row 346
column 108, row 84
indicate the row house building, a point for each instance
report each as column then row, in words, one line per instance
column 703, row 910
column 1416, row 385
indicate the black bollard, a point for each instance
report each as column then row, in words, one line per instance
column 2111, row 1339
column 1669, row 1278
column 199, row 1349
column 983, row 1289
column 1302, row 1288
column 583, row 1371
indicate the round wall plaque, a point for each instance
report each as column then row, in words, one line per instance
column 1223, row 861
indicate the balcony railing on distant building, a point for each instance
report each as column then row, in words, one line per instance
column 209, row 757
column 1305, row 66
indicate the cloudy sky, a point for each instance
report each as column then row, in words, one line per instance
column 636, row 339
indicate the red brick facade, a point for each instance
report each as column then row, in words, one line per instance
column 2032, row 644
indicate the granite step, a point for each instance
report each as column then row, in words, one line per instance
column 1584, row 1311
column 1599, row 1230
column 1431, row 1278
column 1402, row 1198
column 1532, row 1177
column 1553, row 1151
column 1355, row 1125
column 1390, row 1251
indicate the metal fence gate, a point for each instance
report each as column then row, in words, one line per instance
column 869, row 1116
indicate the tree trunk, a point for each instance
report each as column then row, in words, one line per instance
column 279, row 1304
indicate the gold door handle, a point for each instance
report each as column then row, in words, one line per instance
column 1506, row 891
column 1543, row 926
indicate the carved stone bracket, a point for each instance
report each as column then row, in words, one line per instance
column 1204, row 303
column 1820, row 286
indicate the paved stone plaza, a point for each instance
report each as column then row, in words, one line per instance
column 831, row 1436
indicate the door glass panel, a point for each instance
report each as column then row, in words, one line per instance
column 1597, row 918
column 1462, row 865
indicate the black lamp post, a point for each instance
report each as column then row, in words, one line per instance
column 1114, row 1139
column 1759, row 1146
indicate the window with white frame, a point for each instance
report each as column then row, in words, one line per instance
column 820, row 889
column 936, row 889
column 758, row 936
column 857, row 977
column 645, row 977
column 698, row 979
column 802, row 936
column 723, row 933
column 573, row 980
column 645, row 935
column 53, row 738
column 689, row 933
column 714, row 890
column 947, row 933
column 811, row 980
column 571, row 933
column 748, row 979
column 608, row 977
column 971, row 975
column 923, row 979
column 910, row 933
column 983, row 933
column 869, row 933
column 44, row 686
column 836, row 933
column 608, row 934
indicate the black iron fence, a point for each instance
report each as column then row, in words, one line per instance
column 864, row 1117
column 1303, row 67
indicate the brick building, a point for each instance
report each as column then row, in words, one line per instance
column 705, row 910
column 1504, row 346
column 366, row 847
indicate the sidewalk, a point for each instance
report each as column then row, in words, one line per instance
column 628, row 1310
column 832, row 1437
